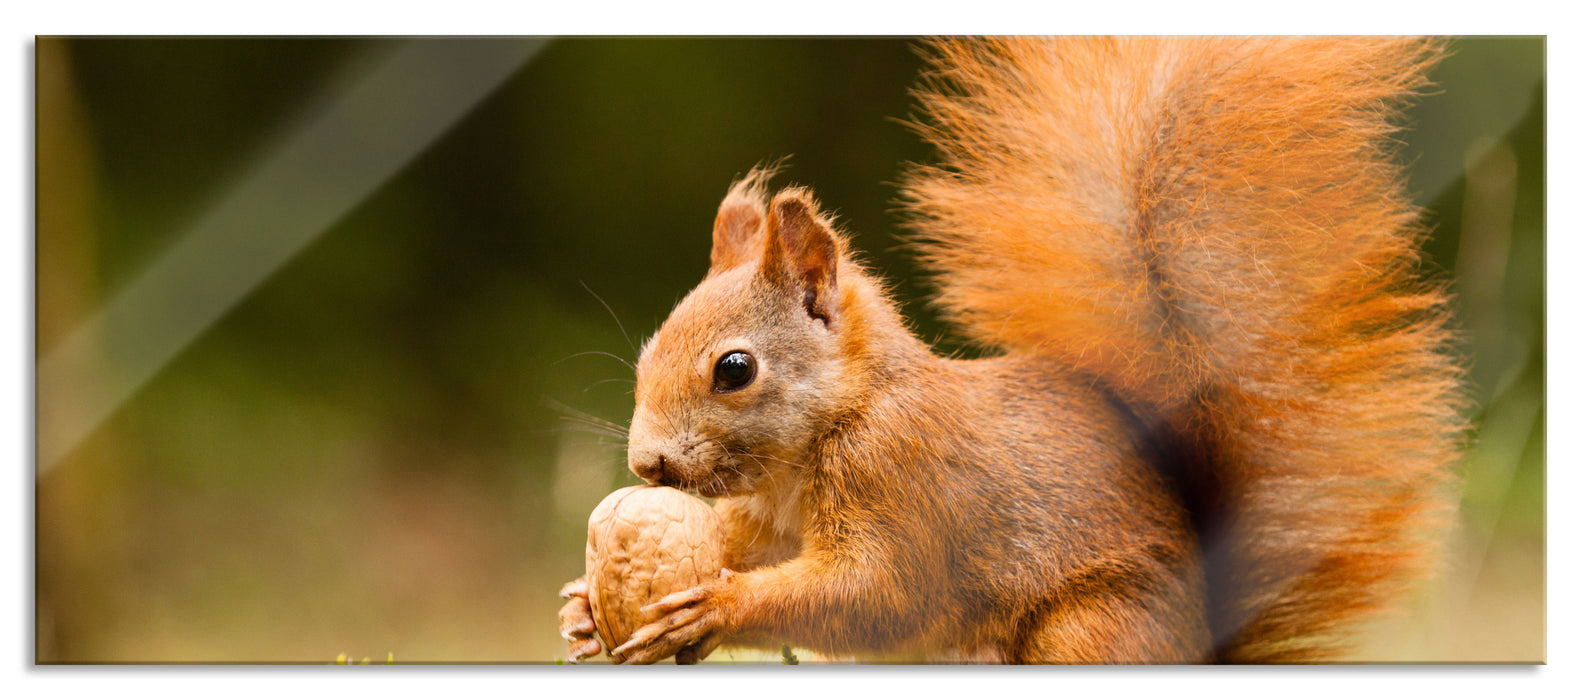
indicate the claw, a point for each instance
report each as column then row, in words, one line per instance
column 674, row 601
column 577, row 617
column 621, row 651
column 685, row 624
column 578, row 587
column 638, row 639
column 584, row 649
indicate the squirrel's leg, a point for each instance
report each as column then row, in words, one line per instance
column 1140, row 613
column 832, row 606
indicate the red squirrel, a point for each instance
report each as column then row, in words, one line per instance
column 1216, row 420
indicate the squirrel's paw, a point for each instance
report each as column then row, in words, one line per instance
column 576, row 622
column 687, row 625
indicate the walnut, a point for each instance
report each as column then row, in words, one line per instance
column 646, row 542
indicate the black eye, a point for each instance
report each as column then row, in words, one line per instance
column 734, row 371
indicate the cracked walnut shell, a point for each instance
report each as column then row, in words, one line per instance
column 646, row 542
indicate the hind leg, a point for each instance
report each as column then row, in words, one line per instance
column 1118, row 617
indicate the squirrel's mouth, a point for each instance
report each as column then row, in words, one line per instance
column 721, row 479
column 707, row 488
column 713, row 489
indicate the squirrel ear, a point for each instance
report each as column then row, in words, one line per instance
column 738, row 230
column 802, row 246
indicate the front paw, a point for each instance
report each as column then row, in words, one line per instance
column 576, row 621
column 687, row 625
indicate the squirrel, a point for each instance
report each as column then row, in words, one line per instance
column 1218, row 413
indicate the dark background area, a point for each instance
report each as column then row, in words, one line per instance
column 371, row 453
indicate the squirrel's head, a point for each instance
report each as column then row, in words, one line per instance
column 748, row 369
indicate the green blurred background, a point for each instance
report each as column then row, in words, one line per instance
column 377, row 452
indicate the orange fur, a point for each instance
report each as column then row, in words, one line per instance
column 1215, row 227
column 1219, row 420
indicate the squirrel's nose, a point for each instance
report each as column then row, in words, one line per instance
column 650, row 465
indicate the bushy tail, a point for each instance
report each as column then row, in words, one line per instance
column 1216, row 229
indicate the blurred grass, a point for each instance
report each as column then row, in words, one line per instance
column 363, row 454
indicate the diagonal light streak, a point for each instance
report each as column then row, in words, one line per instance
column 350, row 141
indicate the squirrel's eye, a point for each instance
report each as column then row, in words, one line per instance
column 734, row 371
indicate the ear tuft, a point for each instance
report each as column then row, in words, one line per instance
column 802, row 246
column 739, row 225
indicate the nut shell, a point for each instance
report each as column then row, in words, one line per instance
column 646, row 542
